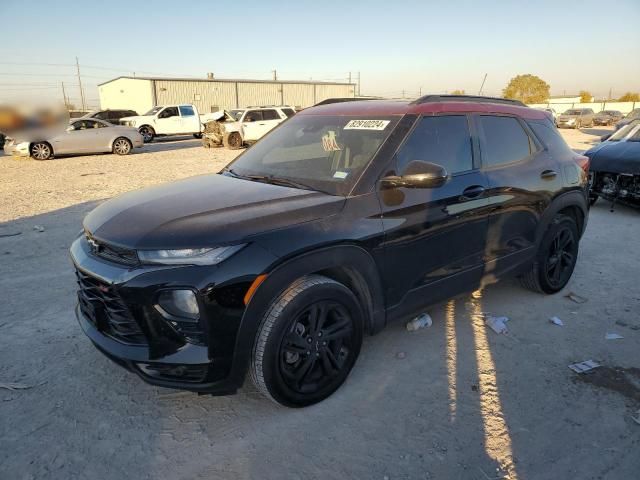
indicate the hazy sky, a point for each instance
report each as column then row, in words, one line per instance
column 435, row 46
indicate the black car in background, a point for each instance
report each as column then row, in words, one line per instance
column 344, row 218
column 111, row 116
column 607, row 117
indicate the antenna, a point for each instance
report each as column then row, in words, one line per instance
column 482, row 86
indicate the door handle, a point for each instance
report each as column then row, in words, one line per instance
column 473, row 191
column 548, row 174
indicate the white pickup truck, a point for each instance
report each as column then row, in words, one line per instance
column 167, row 120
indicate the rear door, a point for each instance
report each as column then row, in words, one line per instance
column 190, row 122
column 523, row 178
column 435, row 237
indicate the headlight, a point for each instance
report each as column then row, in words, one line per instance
column 22, row 146
column 571, row 120
column 179, row 303
column 188, row 256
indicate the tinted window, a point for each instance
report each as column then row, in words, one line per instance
column 253, row 116
column 502, row 140
column 101, row 115
column 549, row 135
column 186, row 111
column 442, row 140
column 270, row 115
column 169, row 112
column 288, row 112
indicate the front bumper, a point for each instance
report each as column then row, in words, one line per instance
column 160, row 353
column 16, row 150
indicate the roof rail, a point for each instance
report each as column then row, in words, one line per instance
column 465, row 98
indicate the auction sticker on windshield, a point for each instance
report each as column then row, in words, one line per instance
column 366, row 125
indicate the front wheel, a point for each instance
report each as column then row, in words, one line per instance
column 41, row 151
column 147, row 133
column 197, row 135
column 232, row 140
column 556, row 257
column 122, row 146
column 308, row 342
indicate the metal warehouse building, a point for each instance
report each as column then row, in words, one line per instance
column 210, row 95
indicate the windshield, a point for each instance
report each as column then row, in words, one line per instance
column 153, row 111
column 623, row 132
column 236, row 114
column 572, row 112
column 634, row 113
column 321, row 152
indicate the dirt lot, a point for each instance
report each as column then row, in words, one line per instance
column 455, row 401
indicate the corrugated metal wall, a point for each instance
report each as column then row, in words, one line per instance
column 210, row 96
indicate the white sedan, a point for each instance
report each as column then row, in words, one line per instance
column 81, row 136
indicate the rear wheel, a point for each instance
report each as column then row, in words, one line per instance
column 122, row 146
column 308, row 342
column 147, row 133
column 41, row 151
column 232, row 140
column 556, row 257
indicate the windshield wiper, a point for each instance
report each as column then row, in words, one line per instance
column 283, row 182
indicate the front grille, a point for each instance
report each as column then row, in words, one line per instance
column 104, row 308
column 181, row 373
column 107, row 251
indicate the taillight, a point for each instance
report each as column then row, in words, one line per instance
column 583, row 163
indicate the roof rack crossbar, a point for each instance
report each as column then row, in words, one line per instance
column 465, row 98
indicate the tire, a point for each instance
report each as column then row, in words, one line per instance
column 555, row 259
column 122, row 146
column 197, row 135
column 297, row 361
column 41, row 151
column 232, row 141
column 147, row 133
column 578, row 125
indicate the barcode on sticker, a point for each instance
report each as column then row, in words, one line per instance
column 366, row 125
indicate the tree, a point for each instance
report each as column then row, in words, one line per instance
column 585, row 97
column 458, row 92
column 630, row 97
column 527, row 88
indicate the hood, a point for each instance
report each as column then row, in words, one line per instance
column 204, row 211
column 136, row 117
column 567, row 117
column 615, row 157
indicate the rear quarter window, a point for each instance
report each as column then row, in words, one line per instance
column 549, row 136
column 503, row 140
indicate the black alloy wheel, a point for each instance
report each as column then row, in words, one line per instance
column 561, row 258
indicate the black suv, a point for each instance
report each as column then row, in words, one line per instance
column 347, row 216
column 111, row 116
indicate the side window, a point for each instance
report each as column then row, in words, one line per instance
column 253, row 116
column 502, row 140
column 444, row 140
column 101, row 115
column 549, row 136
column 270, row 115
column 169, row 112
column 288, row 112
column 77, row 125
column 186, row 111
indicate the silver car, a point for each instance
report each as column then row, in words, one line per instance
column 576, row 118
column 81, row 136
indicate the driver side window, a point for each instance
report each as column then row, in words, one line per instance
column 169, row 112
column 443, row 140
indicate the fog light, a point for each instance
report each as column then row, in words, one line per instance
column 179, row 303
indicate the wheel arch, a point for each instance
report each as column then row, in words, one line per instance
column 573, row 204
column 31, row 144
column 350, row 265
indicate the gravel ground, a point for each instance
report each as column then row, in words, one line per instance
column 454, row 401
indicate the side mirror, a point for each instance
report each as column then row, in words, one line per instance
column 70, row 128
column 418, row 174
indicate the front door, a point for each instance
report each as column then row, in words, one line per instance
column 168, row 122
column 252, row 125
column 435, row 237
column 82, row 137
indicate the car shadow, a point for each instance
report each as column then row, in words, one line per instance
column 166, row 144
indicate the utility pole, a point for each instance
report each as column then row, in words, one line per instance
column 349, row 77
column 80, row 85
column 275, row 75
column 403, row 93
column 482, row 86
column 609, row 94
column 64, row 97
column 420, row 92
column 358, row 83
